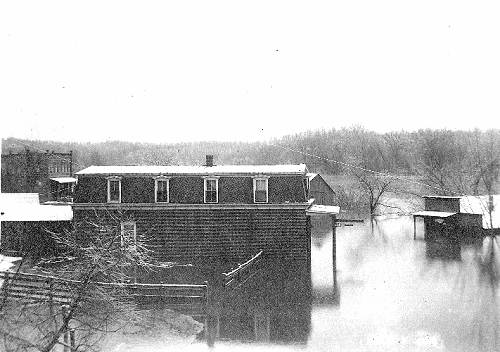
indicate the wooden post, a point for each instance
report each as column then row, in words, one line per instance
column 72, row 339
column 211, row 318
column 65, row 312
column 66, row 342
column 334, row 253
column 262, row 325
column 414, row 227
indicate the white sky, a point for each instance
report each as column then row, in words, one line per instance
column 170, row 71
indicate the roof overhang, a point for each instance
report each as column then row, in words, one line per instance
column 317, row 209
column 64, row 179
column 36, row 213
column 433, row 214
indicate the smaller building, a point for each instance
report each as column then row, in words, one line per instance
column 323, row 194
column 459, row 216
column 320, row 190
column 48, row 173
column 26, row 225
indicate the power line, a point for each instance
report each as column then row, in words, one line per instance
column 359, row 167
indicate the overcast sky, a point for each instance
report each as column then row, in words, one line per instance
column 171, row 71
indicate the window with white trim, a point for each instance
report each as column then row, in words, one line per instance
column 128, row 235
column 211, row 194
column 162, row 190
column 114, row 189
column 260, row 190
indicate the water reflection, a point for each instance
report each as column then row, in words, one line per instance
column 273, row 307
column 444, row 249
column 397, row 294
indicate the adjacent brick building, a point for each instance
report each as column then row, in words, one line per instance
column 49, row 174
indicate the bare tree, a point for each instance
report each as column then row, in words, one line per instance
column 374, row 188
column 92, row 255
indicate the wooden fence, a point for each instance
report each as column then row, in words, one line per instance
column 190, row 299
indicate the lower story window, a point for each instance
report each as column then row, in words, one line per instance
column 128, row 235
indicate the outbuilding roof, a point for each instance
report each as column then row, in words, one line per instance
column 488, row 206
column 323, row 209
column 64, row 179
column 27, row 207
column 299, row 169
column 433, row 214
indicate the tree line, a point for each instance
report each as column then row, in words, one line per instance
column 449, row 161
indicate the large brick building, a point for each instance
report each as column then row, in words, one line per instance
column 49, row 174
column 222, row 214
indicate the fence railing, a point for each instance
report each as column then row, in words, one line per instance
column 42, row 288
column 243, row 272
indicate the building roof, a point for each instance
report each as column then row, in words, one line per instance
column 444, row 197
column 481, row 205
column 19, row 198
column 27, row 207
column 197, row 170
column 311, row 175
column 64, row 179
column 434, row 214
column 323, row 209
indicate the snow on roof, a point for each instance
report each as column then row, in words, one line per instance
column 323, row 209
column 434, row 214
column 196, row 170
column 64, row 179
column 444, row 197
column 19, row 198
column 311, row 175
column 482, row 205
column 27, row 207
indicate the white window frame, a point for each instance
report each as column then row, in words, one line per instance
column 163, row 179
column 119, row 179
column 122, row 225
column 261, row 178
column 211, row 178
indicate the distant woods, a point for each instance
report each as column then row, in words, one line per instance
column 450, row 161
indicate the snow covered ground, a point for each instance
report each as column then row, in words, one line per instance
column 7, row 263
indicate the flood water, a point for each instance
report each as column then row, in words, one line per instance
column 393, row 293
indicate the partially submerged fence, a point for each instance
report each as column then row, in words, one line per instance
column 243, row 272
column 42, row 288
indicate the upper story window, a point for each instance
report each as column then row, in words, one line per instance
column 114, row 189
column 260, row 190
column 211, row 194
column 161, row 190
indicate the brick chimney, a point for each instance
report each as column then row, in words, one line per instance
column 209, row 160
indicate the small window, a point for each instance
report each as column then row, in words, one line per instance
column 114, row 190
column 260, row 190
column 211, row 190
column 161, row 190
column 128, row 235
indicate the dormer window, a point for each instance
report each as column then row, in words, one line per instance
column 161, row 189
column 260, row 189
column 114, row 189
column 211, row 187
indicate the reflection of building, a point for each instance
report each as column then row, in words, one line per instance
column 462, row 216
column 274, row 307
column 46, row 173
